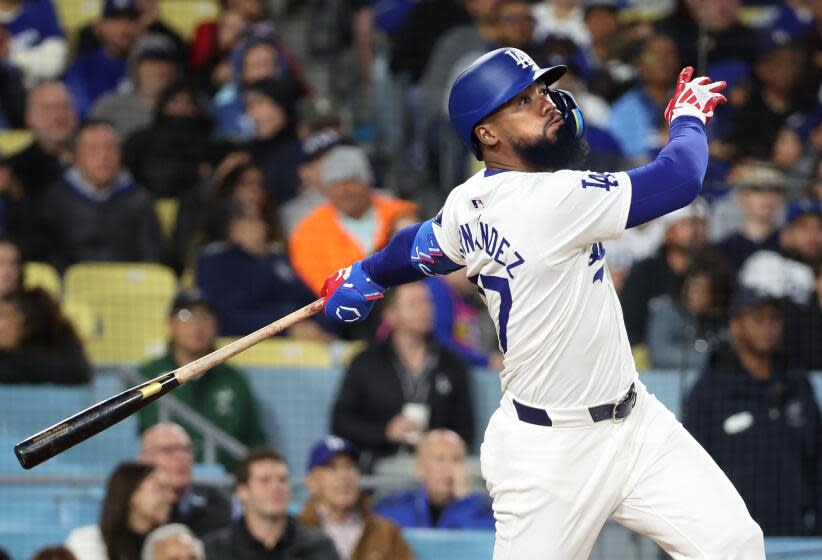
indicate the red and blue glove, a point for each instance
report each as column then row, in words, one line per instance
column 696, row 98
column 350, row 294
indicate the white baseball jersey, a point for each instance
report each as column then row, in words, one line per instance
column 531, row 242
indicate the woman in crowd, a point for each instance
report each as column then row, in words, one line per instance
column 138, row 499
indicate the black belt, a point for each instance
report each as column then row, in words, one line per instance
column 616, row 412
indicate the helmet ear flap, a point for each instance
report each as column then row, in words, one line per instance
column 567, row 105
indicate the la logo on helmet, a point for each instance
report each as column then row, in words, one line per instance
column 522, row 59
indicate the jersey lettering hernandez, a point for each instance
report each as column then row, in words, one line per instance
column 532, row 244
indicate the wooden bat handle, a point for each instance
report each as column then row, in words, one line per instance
column 199, row 366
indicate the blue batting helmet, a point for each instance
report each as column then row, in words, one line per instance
column 494, row 79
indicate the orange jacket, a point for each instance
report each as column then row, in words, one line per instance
column 320, row 245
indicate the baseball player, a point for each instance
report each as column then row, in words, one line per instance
column 577, row 438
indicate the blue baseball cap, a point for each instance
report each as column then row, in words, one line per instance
column 327, row 448
column 119, row 8
column 802, row 207
column 747, row 297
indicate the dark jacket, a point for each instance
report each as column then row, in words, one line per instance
column 248, row 291
column 203, row 509
column 766, row 435
column 121, row 227
column 381, row 539
column 297, row 543
column 802, row 340
column 66, row 365
column 737, row 248
column 411, row 508
column 648, row 279
column 371, row 394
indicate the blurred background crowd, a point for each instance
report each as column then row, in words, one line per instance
column 178, row 173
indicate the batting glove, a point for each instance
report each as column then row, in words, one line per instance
column 350, row 294
column 696, row 98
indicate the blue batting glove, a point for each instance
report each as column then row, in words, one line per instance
column 350, row 294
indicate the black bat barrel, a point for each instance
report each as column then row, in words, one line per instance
column 69, row 432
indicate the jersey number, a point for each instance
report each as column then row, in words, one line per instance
column 503, row 288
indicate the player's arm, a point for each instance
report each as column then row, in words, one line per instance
column 412, row 254
column 674, row 179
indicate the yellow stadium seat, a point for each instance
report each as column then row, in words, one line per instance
column 282, row 352
column 167, row 209
column 83, row 318
column 13, row 141
column 130, row 303
column 74, row 14
column 184, row 15
column 42, row 275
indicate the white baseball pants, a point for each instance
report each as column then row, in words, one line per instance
column 554, row 488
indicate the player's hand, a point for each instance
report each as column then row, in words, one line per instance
column 350, row 294
column 696, row 98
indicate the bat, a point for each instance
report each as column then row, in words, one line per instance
column 67, row 433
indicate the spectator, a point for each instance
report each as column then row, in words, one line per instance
column 337, row 506
column 37, row 343
column 172, row 542
column 261, row 57
column 444, row 499
column 148, row 23
column 51, row 117
column 266, row 530
column 200, row 507
column 609, row 74
column 685, row 235
column 38, row 46
column 760, row 422
column 210, row 62
column 137, row 500
column 271, row 106
column 684, row 327
column 52, row 553
column 167, row 156
column 352, row 224
column 636, row 117
column 563, row 18
column 152, row 67
column 398, row 388
column 100, row 71
column 770, row 102
column 309, row 194
column 240, row 183
column 759, row 193
column 803, row 330
column 97, row 212
column 789, row 273
column 798, row 145
column 250, row 281
column 222, row 396
column 210, row 37
column 724, row 35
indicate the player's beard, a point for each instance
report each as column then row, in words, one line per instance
column 566, row 151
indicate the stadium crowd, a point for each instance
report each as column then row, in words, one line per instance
column 296, row 137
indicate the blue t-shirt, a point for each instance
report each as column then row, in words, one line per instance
column 35, row 22
column 92, row 75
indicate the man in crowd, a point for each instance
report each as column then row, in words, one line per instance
column 338, row 507
column 400, row 387
column 353, row 223
column 789, row 272
column 444, row 499
column 200, row 507
column 266, row 530
column 222, row 395
column 97, row 72
column 51, row 117
column 152, row 68
column 759, row 421
column 96, row 212
column 174, row 541
column 803, row 330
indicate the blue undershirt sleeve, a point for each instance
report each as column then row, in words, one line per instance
column 673, row 180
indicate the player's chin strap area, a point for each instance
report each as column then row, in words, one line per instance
column 573, row 417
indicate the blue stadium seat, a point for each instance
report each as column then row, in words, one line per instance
column 21, row 542
column 30, row 408
column 670, row 387
column 295, row 408
column 434, row 544
column 486, row 392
